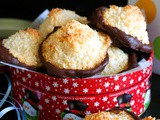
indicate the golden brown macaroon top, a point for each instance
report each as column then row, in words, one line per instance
column 129, row 19
column 59, row 17
column 103, row 115
column 75, row 46
column 24, row 46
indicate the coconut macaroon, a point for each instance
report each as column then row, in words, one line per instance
column 75, row 50
column 114, row 114
column 59, row 17
column 125, row 24
column 116, row 58
column 22, row 48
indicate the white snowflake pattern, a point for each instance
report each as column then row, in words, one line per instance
column 65, row 81
column 124, row 78
column 46, row 100
column 85, row 90
column 116, row 87
column 40, row 107
column 66, row 91
column 116, row 77
column 96, row 104
column 138, row 91
column 36, row 84
column 132, row 102
column 75, row 84
column 99, row 90
column 105, row 99
column 106, row 84
column 58, row 111
column 54, row 98
column 64, row 102
column 139, row 78
column 55, row 84
column 131, row 81
column 48, row 88
column 23, row 79
column 29, row 75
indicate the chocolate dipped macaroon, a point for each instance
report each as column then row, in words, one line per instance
column 116, row 114
column 75, row 50
column 22, row 48
column 126, row 26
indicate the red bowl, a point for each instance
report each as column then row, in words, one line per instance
column 50, row 98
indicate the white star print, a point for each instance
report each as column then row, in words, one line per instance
column 96, row 104
column 106, row 84
column 29, row 75
column 116, row 87
column 116, row 78
column 66, row 91
column 54, row 98
column 138, row 91
column 139, row 78
column 64, row 102
column 132, row 102
column 98, row 90
column 23, row 79
column 23, row 90
column 144, row 71
column 17, row 70
column 148, row 71
column 142, row 85
column 75, row 84
column 65, row 81
column 58, row 111
column 40, row 107
column 55, row 84
column 48, row 88
column 124, row 78
column 46, row 101
column 17, row 83
column 36, row 84
column 85, row 90
column 131, row 81
column 104, row 99
column 20, row 96
column 114, row 99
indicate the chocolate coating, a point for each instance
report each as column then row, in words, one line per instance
column 116, row 34
column 64, row 73
column 7, row 57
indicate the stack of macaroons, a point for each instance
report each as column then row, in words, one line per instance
column 69, row 45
